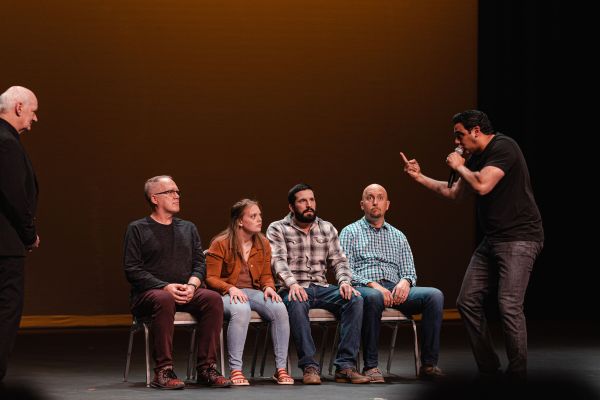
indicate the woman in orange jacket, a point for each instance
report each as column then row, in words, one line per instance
column 238, row 265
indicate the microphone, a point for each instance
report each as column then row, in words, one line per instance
column 453, row 174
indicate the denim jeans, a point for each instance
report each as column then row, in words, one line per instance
column 239, row 318
column 421, row 300
column 505, row 266
column 349, row 312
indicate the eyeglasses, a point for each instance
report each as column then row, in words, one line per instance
column 171, row 193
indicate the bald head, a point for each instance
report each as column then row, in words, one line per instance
column 374, row 187
column 375, row 204
column 18, row 106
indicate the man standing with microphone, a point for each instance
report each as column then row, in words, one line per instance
column 496, row 171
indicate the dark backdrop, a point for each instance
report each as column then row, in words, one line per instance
column 534, row 81
column 234, row 99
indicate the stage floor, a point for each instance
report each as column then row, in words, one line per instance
column 88, row 364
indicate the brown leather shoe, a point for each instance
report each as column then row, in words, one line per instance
column 311, row 376
column 165, row 378
column 350, row 375
column 430, row 372
column 374, row 374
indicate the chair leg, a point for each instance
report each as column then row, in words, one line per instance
column 392, row 347
column 264, row 354
column 290, row 355
column 147, row 340
column 323, row 343
column 417, row 352
column 190, row 363
column 222, row 351
column 336, row 340
column 129, row 349
column 255, row 352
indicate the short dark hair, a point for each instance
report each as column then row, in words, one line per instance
column 297, row 188
column 472, row 118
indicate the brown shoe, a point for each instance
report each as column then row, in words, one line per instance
column 430, row 372
column 374, row 374
column 211, row 377
column 311, row 376
column 165, row 378
column 350, row 375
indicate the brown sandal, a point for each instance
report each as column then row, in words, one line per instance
column 282, row 377
column 238, row 379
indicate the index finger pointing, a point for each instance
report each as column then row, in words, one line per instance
column 404, row 158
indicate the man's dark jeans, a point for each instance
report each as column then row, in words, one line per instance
column 349, row 312
column 426, row 300
column 505, row 266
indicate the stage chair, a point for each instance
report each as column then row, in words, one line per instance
column 258, row 322
column 321, row 318
column 392, row 318
column 182, row 320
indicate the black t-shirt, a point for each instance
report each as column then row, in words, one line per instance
column 508, row 213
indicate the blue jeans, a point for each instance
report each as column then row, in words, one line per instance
column 239, row 318
column 349, row 312
column 421, row 300
column 505, row 266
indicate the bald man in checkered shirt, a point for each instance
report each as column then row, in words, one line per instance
column 383, row 271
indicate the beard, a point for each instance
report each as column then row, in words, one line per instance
column 302, row 217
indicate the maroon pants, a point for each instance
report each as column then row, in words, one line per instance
column 159, row 306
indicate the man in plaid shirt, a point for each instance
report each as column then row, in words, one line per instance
column 383, row 268
column 303, row 246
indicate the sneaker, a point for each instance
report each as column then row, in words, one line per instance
column 311, row 376
column 211, row 377
column 350, row 375
column 374, row 374
column 430, row 372
column 165, row 378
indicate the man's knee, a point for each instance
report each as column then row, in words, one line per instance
column 465, row 303
column 162, row 301
column 436, row 298
column 372, row 300
column 354, row 308
column 213, row 299
column 510, row 306
column 207, row 300
column 298, row 309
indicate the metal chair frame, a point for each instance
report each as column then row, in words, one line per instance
column 181, row 320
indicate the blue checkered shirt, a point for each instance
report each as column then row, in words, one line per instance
column 298, row 257
column 377, row 254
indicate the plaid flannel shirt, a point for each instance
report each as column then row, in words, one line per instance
column 303, row 258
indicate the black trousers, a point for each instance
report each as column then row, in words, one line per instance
column 12, row 287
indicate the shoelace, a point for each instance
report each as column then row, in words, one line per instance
column 168, row 373
column 313, row 370
column 212, row 373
